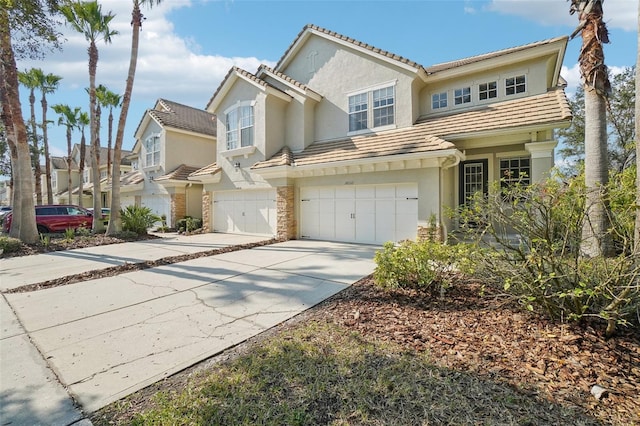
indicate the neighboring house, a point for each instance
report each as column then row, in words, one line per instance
column 5, row 193
column 344, row 141
column 172, row 141
column 60, row 181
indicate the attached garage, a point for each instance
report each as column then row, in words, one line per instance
column 159, row 204
column 370, row 214
column 245, row 212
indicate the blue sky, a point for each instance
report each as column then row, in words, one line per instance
column 188, row 46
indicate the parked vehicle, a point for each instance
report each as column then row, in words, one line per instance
column 4, row 210
column 57, row 218
column 106, row 214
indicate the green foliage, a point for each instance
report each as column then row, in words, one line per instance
column 69, row 234
column 45, row 240
column 528, row 244
column 422, row 265
column 138, row 219
column 83, row 232
column 188, row 224
column 9, row 245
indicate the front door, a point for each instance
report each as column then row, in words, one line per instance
column 473, row 179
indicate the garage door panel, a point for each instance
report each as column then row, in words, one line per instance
column 245, row 212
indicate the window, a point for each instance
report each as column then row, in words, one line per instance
column 54, row 180
column 103, row 174
column 462, row 96
column 239, row 122
column 358, row 112
column 381, row 113
column 383, row 100
column 85, row 176
column 514, row 170
column 439, row 100
column 487, row 90
column 152, row 150
column 134, row 165
column 515, row 85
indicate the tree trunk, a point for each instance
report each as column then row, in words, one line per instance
column 115, row 222
column 24, row 213
column 45, row 142
column 637, row 129
column 109, row 141
column 98, row 225
column 69, row 181
column 83, row 153
column 36, row 149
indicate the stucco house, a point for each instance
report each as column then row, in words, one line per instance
column 344, row 141
column 172, row 141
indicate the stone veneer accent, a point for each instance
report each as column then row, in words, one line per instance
column 206, row 211
column 286, row 219
column 178, row 207
column 433, row 233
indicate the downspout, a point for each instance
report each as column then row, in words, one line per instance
column 445, row 165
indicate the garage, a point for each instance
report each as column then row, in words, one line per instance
column 245, row 212
column 159, row 204
column 369, row 214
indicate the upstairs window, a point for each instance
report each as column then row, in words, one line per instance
column 152, row 150
column 103, row 174
column 488, row 90
column 439, row 100
column 514, row 85
column 85, row 176
column 372, row 109
column 54, row 180
column 239, row 122
column 462, row 96
column 358, row 107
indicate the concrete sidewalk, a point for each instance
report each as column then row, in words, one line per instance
column 109, row 337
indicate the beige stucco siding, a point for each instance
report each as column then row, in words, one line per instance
column 337, row 72
column 275, row 129
column 183, row 148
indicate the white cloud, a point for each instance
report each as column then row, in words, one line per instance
column 621, row 14
column 572, row 75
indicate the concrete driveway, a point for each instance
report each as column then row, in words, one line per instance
column 107, row 338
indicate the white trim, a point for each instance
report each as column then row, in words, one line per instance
column 245, row 150
column 541, row 149
column 238, row 104
column 372, row 88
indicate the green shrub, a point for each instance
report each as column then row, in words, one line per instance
column 9, row 245
column 528, row 244
column 188, row 224
column 138, row 219
column 417, row 264
column 69, row 234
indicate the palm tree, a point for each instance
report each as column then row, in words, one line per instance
column 69, row 119
column 115, row 223
column 83, row 121
column 29, row 79
column 596, row 240
column 107, row 98
column 86, row 17
column 47, row 83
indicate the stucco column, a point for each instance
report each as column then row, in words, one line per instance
column 286, row 222
column 206, row 211
column 542, row 154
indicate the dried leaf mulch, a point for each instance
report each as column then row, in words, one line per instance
column 489, row 335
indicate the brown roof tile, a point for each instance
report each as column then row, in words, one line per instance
column 210, row 169
column 232, row 71
column 547, row 108
column 184, row 117
column 133, row 177
column 285, row 77
column 470, row 60
column 182, row 172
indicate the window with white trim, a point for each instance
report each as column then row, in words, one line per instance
column 134, row 165
column 103, row 174
column 515, row 170
column 54, row 180
column 488, row 90
column 85, row 176
column 462, row 96
column 514, row 85
column 372, row 109
column 439, row 100
column 152, row 151
column 239, row 123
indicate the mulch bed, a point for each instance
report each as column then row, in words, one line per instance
column 489, row 335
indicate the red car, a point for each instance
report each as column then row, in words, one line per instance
column 56, row 218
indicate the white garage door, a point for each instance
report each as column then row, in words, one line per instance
column 159, row 204
column 127, row 201
column 364, row 214
column 245, row 212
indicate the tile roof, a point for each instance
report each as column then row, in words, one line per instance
column 470, row 60
column 234, row 69
column 210, row 169
column 355, row 42
column 547, row 108
column 133, row 177
column 182, row 172
column 429, row 133
column 405, row 141
column 103, row 156
column 183, row 117
column 60, row 163
column 285, row 77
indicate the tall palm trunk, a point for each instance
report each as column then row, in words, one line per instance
column 37, row 172
column 45, row 142
column 83, row 153
column 69, row 181
column 637, row 129
column 98, row 225
column 109, row 142
column 596, row 239
column 115, row 222
column 24, row 214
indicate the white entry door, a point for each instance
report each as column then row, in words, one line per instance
column 364, row 213
column 245, row 212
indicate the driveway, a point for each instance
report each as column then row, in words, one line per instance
column 109, row 337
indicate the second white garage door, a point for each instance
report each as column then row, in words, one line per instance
column 364, row 214
column 245, row 212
